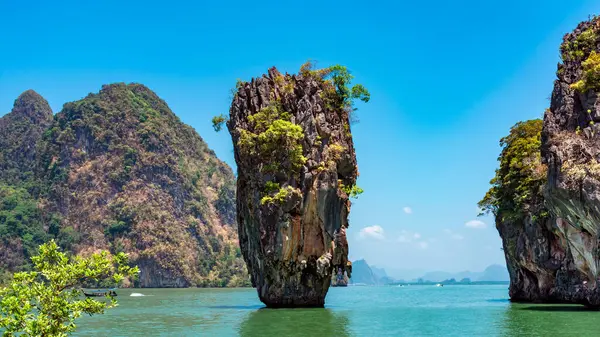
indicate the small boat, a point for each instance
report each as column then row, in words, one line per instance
column 100, row 292
column 439, row 285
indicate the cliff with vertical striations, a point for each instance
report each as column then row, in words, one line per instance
column 296, row 171
column 571, row 149
column 539, row 264
column 546, row 193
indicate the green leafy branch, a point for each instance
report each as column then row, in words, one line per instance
column 46, row 301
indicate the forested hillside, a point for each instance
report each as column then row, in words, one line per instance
column 118, row 170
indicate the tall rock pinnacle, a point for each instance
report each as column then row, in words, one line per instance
column 546, row 192
column 296, row 170
column 571, row 149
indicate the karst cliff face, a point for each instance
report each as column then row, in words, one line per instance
column 571, row 149
column 546, row 193
column 539, row 261
column 296, row 169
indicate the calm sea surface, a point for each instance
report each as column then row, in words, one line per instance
column 479, row 310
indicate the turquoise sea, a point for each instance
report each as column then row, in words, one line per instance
column 459, row 310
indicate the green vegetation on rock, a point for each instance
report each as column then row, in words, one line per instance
column 338, row 94
column 277, row 142
column 275, row 139
column 123, row 167
column 341, row 78
column 280, row 196
column 352, row 191
column 590, row 79
column 218, row 122
column 517, row 186
column 583, row 44
column 292, row 145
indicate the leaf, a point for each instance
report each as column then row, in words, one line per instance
column 47, row 301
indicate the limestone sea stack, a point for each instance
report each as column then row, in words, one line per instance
column 539, row 262
column 571, row 149
column 296, row 171
column 546, row 192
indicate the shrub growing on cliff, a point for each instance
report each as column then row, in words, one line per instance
column 274, row 139
column 280, row 197
column 46, row 301
column 277, row 142
column 583, row 44
column 218, row 122
column 341, row 95
column 341, row 78
column 352, row 191
column 590, row 79
column 517, row 186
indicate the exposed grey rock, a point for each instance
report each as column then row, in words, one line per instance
column 571, row 149
column 291, row 248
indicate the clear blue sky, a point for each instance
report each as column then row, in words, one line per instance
column 447, row 80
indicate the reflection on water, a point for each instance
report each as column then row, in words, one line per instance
column 353, row 311
column 547, row 320
column 295, row 322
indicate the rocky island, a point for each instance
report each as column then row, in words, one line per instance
column 118, row 171
column 546, row 193
column 296, row 172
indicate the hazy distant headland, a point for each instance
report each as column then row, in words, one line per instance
column 365, row 274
